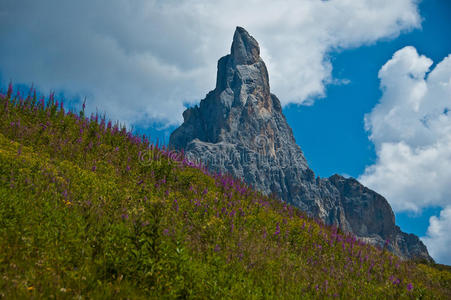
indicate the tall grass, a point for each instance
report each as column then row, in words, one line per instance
column 90, row 210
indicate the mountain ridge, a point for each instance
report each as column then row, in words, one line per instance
column 239, row 128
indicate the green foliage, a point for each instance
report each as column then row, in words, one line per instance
column 90, row 210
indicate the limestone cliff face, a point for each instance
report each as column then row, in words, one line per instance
column 239, row 128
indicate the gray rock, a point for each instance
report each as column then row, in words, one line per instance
column 239, row 128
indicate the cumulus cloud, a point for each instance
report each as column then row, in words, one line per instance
column 411, row 129
column 140, row 60
column 438, row 239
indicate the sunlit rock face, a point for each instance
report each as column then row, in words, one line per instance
column 239, row 128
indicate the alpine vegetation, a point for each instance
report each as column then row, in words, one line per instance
column 90, row 210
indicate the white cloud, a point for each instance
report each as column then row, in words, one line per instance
column 412, row 178
column 142, row 59
column 411, row 129
column 438, row 239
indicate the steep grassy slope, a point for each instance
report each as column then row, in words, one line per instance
column 88, row 209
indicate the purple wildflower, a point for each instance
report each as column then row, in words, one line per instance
column 277, row 229
column 10, row 90
column 176, row 205
column 395, row 281
column 410, row 287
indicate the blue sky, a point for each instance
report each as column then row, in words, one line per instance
column 344, row 59
column 331, row 132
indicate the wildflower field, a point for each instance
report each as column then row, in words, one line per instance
column 90, row 210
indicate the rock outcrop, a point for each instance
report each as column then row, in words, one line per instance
column 239, row 128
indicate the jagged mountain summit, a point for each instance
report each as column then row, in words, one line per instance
column 239, row 128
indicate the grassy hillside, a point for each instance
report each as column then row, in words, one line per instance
column 88, row 209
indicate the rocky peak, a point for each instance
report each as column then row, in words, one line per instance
column 239, row 128
column 245, row 49
column 241, row 107
column 244, row 74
